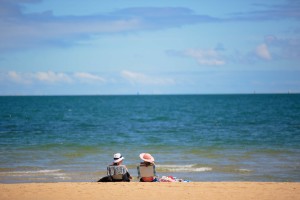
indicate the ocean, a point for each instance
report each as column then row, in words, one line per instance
column 249, row 137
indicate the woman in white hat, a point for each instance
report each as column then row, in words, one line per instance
column 117, row 172
column 146, row 169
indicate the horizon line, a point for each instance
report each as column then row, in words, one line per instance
column 148, row 94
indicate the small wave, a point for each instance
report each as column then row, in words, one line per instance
column 44, row 171
column 244, row 170
column 54, row 173
column 182, row 168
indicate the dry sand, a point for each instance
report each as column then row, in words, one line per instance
column 153, row 191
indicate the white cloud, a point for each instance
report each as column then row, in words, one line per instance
column 262, row 51
column 88, row 78
column 139, row 78
column 205, row 57
column 284, row 47
column 41, row 77
column 52, row 77
column 18, row 77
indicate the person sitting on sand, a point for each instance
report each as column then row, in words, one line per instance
column 146, row 169
column 116, row 172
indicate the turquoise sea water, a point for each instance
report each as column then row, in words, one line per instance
column 195, row 137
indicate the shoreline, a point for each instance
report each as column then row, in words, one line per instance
column 145, row 191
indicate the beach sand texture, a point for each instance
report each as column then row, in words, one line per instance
column 145, row 191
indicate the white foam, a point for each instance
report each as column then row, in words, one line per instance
column 55, row 173
column 183, row 168
column 174, row 166
column 45, row 171
column 245, row 170
column 203, row 169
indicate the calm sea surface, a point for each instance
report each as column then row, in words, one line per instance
column 194, row 137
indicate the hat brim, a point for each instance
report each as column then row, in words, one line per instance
column 119, row 160
column 151, row 160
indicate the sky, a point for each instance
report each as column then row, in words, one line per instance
column 98, row 47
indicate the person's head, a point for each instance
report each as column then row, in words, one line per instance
column 147, row 158
column 118, row 158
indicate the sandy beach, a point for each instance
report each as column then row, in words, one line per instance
column 137, row 191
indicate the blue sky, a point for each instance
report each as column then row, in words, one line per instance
column 149, row 47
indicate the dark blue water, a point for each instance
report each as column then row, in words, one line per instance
column 195, row 137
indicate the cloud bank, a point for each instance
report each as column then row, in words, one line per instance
column 51, row 78
column 23, row 30
column 140, row 78
column 26, row 30
column 262, row 51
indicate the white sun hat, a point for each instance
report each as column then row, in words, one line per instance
column 118, row 157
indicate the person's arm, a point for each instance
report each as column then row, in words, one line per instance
column 154, row 171
column 107, row 171
column 128, row 174
column 139, row 173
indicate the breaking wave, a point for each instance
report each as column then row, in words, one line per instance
column 182, row 168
